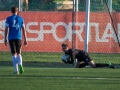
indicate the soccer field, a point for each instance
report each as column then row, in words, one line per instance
column 90, row 25
column 39, row 78
column 45, row 71
column 55, row 57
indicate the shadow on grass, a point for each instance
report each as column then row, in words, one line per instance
column 40, row 64
column 46, row 64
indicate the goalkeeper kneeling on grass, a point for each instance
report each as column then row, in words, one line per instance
column 82, row 57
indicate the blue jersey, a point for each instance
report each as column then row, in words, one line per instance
column 15, row 23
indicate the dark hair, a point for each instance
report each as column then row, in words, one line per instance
column 14, row 9
column 64, row 45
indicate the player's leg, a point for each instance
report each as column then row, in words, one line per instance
column 97, row 65
column 80, row 64
column 13, row 52
column 101, row 65
column 19, row 57
column 92, row 64
column 88, row 60
column 15, row 63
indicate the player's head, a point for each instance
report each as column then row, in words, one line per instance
column 14, row 10
column 64, row 47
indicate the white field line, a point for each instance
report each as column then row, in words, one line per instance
column 59, row 77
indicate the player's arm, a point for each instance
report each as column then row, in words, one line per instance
column 72, row 57
column 73, row 53
column 5, row 36
column 24, row 35
column 6, row 31
column 70, row 61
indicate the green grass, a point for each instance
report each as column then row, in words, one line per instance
column 39, row 78
column 56, row 57
column 45, row 71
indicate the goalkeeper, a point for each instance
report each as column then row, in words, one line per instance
column 82, row 57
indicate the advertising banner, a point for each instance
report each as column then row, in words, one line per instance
column 46, row 31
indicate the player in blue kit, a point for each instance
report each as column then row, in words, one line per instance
column 14, row 27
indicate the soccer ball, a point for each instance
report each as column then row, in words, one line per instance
column 65, row 57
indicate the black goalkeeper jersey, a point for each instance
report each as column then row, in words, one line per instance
column 80, row 56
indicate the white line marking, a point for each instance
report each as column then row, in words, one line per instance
column 58, row 77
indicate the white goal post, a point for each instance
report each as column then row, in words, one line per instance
column 87, row 25
column 86, row 42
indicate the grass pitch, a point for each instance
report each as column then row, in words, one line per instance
column 39, row 78
column 45, row 71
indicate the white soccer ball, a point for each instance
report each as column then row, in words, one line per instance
column 65, row 57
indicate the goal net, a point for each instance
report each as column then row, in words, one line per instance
column 104, row 29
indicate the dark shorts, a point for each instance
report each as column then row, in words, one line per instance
column 15, row 46
column 85, row 58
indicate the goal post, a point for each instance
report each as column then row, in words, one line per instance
column 87, row 22
column 86, row 42
column 20, row 5
column 110, row 5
